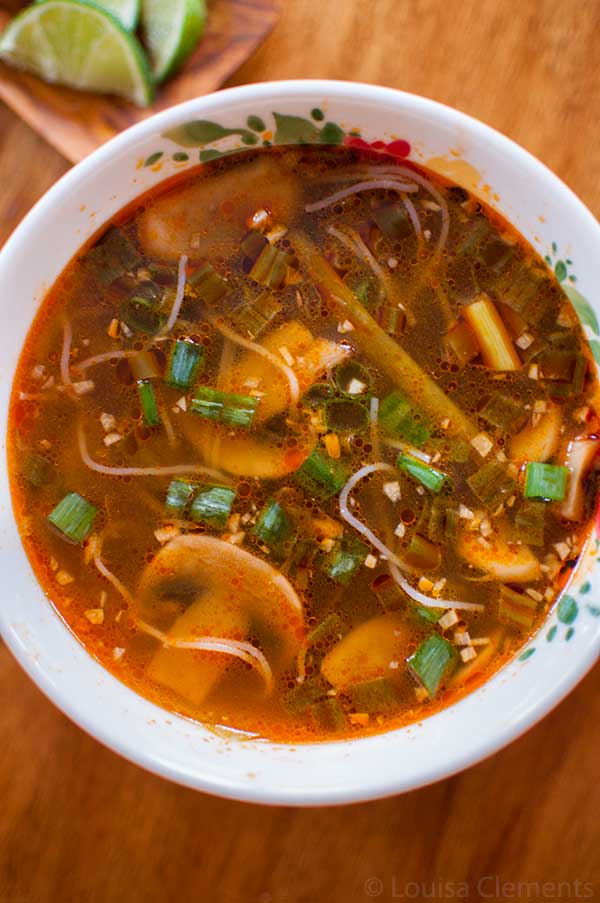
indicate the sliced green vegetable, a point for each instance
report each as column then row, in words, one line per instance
column 437, row 519
column 317, row 395
column 329, row 715
column 148, row 402
column 37, row 470
column 397, row 418
column 545, row 481
column 273, row 527
column 345, row 559
column 492, row 483
column 74, row 516
column 225, row 407
column 142, row 315
column 305, row 694
column 422, row 555
column 427, row 475
column 271, row 267
column 321, row 475
column 212, row 506
column 185, row 361
column 432, row 662
column 252, row 318
column 113, row 256
column 374, row 696
column 352, row 378
column 332, row 628
column 208, row 285
column 516, row 608
column 530, row 519
column 144, row 365
column 179, row 495
column 391, row 319
column 504, row 413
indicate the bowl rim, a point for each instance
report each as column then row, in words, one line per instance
column 378, row 785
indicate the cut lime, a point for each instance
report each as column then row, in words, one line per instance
column 170, row 30
column 80, row 45
column 126, row 11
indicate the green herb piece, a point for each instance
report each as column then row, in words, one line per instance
column 305, row 694
column 273, row 527
column 345, row 559
column 530, row 519
column 374, row 696
column 225, row 407
column 142, row 315
column 329, row 715
column 74, row 516
column 397, row 418
column 431, row 662
column 253, row 317
column 317, row 395
column 327, row 631
column 492, row 484
column 113, row 256
column 516, row 608
column 427, row 475
column 185, row 361
column 504, row 413
column 345, row 416
column 253, row 243
column 208, row 285
column 477, row 230
column 271, row 267
column 179, row 495
column 545, row 481
column 321, row 475
column 437, row 519
column 148, row 402
column 212, row 506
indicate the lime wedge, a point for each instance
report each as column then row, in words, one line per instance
column 126, row 11
column 75, row 43
column 170, row 30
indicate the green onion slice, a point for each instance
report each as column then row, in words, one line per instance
column 545, row 481
column 74, row 516
column 225, row 407
column 427, row 475
column 431, row 662
column 397, row 418
column 273, row 527
column 323, row 476
column 179, row 494
column 212, row 506
column 148, row 402
column 345, row 559
column 185, row 361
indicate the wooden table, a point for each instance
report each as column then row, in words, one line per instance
column 79, row 824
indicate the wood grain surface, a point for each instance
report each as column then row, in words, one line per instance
column 78, row 824
column 76, row 123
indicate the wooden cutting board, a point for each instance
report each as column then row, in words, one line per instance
column 76, row 123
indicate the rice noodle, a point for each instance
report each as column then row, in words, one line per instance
column 368, row 185
column 394, row 562
column 353, row 241
column 170, row 470
column 413, row 215
column 373, row 425
column 65, row 371
column 238, row 648
column 264, row 352
column 179, row 294
column 113, row 579
column 101, row 358
column 393, row 173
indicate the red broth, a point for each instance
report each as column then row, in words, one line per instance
column 303, row 445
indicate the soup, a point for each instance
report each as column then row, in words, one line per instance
column 302, row 445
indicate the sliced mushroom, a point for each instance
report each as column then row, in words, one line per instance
column 230, row 594
column 208, row 216
column 367, row 651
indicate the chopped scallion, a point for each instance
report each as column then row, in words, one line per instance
column 225, row 407
column 516, row 608
column 374, row 696
column 344, row 559
column 271, row 267
column 212, row 506
column 345, row 416
column 273, row 527
column 545, row 481
column 329, row 715
column 327, row 631
column 427, row 475
column 492, row 484
column 252, row 318
column 323, row 476
column 397, row 418
column 179, row 495
column 148, row 402
column 207, row 284
column 431, row 662
column 142, row 315
column 530, row 521
column 74, row 516
column 185, row 360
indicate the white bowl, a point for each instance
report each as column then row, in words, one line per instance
column 546, row 213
